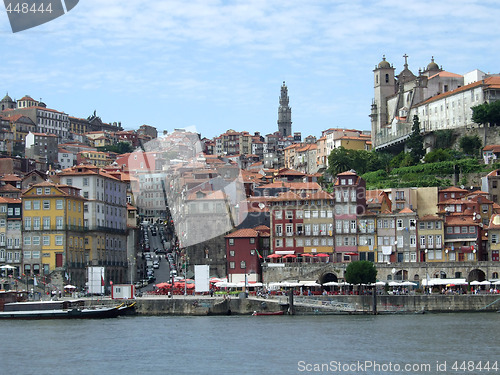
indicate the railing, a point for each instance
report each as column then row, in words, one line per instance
column 56, row 228
column 383, row 138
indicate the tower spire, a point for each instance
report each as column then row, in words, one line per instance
column 284, row 113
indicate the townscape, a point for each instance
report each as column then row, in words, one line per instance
column 79, row 193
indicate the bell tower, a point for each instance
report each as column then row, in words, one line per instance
column 284, row 113
column 384, row 86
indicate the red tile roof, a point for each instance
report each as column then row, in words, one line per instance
column 243, row 233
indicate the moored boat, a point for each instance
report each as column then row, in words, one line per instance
column 14, row 305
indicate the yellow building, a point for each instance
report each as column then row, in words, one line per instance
column 53, row 229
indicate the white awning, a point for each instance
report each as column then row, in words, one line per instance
column 461, row 239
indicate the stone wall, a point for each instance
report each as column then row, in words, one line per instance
column 357, row 304
column 276, row 272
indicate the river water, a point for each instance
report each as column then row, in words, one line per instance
column 429, row 344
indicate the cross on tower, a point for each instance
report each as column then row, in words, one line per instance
column 406, row 61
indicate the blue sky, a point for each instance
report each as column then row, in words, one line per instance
column 218, row 65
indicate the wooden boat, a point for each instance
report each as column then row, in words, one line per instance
column 255, row 313
column 14, row 305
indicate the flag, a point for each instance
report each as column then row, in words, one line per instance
column 34, row 281
column 67, row 276
column 102, row 280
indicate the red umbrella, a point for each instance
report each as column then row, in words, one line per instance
column 289, row 256
column 163, row 285
column 274, row 256
column 306, row 255
column 322, row 255
column 351, row 254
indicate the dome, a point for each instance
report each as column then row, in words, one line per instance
column 384, row 64
column 7, row 98
column 432, row 65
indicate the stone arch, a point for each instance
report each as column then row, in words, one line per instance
column 416, row 277
column 327, row 277
column 476, row 275
column 401, row 275
column 439, row 275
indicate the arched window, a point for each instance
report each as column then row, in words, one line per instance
column 387, row 78
column 494, row 275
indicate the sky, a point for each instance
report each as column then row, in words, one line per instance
column 219, row 64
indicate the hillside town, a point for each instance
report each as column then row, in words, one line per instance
column 77, row 193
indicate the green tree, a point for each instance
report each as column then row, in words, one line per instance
column 470, row 144
column 361, row 272
column 119, row 148
column 487, row 113
column 416, row 141
column 438, row 155
column 339, row 161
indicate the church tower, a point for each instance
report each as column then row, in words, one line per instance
column 7, row 103
column 284, row 113
column 385, row 86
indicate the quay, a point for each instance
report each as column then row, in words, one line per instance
column 312, row 305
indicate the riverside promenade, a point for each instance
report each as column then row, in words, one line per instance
column 311, row 305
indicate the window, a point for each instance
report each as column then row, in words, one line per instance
column 36, row 223
column 231, row 241
column 472, row 229
column 59, row 222
column 36, row 240
column 252, row 240
column 232, row 265
column 59, row 240
column 299, row 214
column 46, row 205
column 289, row 214
column 39, row 191
column 243, row 264
column 494, row 238
column 399, row 224
column 46, row 241
column 46, row 222
column 279, row 230
column 422, row 241
column 400, row 241
column 47, row 191
column 85, row 181
column 430, row 225
column 421, row 225
column 439, row 241
column 27, row 240
column 279, row 242
column 278, row 214
column 27, row 205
